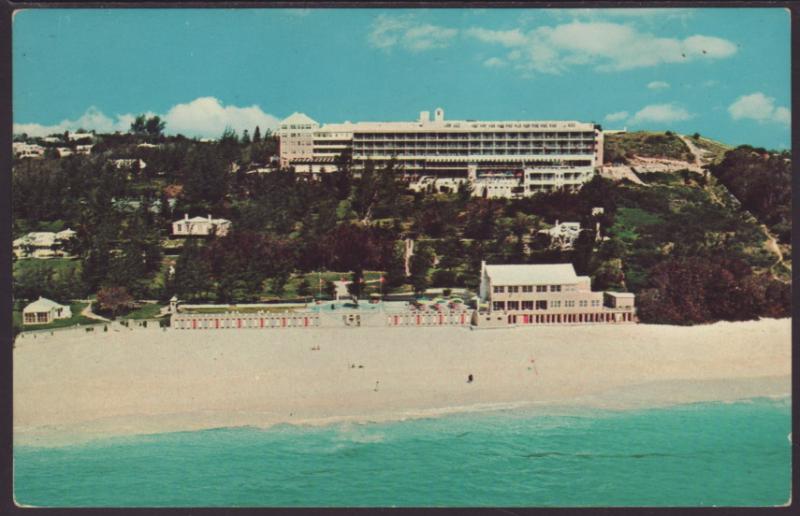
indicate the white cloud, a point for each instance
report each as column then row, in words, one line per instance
column 604, row 45
column 206, row 116
column 426, row 37
column 657, row 85
column 616, row 117
column 760, row 108
column 495, row 62
column 202, row 117
column 509, row 38
column 390, row 31
column 660, row 114
column 92, row 119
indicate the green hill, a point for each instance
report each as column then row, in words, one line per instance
column 622, row 147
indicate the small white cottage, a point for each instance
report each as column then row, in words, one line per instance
column 44, row 311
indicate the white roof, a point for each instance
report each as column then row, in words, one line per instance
column 203, row 219
column 41, row 238
column 456, row 125
column 532, row 274
column 621, row 294
column 66, row 234
column 298, row 118
column 42, row 305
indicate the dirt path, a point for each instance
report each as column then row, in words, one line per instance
column 87, row 312
column 695, row 150
column 772, row 246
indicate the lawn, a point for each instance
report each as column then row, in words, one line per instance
column 76, row 318
column 59, row 265
column 146, row 311
column 313, row 278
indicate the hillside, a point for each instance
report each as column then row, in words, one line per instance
column 621, row 148
column 672, row 228
column 649, row 146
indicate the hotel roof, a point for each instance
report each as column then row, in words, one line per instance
column 532, row 274
column 298, row 118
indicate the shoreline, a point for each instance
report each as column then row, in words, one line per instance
column 76, row 388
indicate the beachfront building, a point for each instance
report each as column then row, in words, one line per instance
column 44, row 311
column 552, row 153
column 42, row 244
column 199, row 226
column 546, row 294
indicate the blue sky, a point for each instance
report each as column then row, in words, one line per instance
column 722, row 72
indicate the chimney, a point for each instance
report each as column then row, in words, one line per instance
column 439, row 115
column 185, row 216
column 209, row 217
column 424, row 116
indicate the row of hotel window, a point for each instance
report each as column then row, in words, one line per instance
column 475, row 152
column 513, row 289
column 542, row 305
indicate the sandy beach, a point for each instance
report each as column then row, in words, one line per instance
column 74, row 385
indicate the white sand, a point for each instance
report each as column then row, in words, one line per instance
column 74, row 386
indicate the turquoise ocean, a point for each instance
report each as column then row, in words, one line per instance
column 723, row 454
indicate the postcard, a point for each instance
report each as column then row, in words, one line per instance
column 375, row 257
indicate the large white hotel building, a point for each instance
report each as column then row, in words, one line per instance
column 519, row 156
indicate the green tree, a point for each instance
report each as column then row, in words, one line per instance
column 257, row 135
column 304, row 287
column 205, row 179
column 421, row 263
column 155, row 127
column 138, row 126
column 192, row 279
column 329, row 289
column 395, row 268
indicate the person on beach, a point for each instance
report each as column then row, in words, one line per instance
column 469, row 378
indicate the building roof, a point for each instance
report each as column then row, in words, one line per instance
column 532, row 274
column 622, row 294
column 65, row 234
column 298, row 118
column 42, row 305
column 203, row 219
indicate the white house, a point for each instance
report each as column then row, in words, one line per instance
column 199, row 226
column 83, row 149
column 63, row 152
column 563, row 235
column 27, row 150
column 80, row 136
column 42, row 244
column 128, row 163
column 44, row 311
